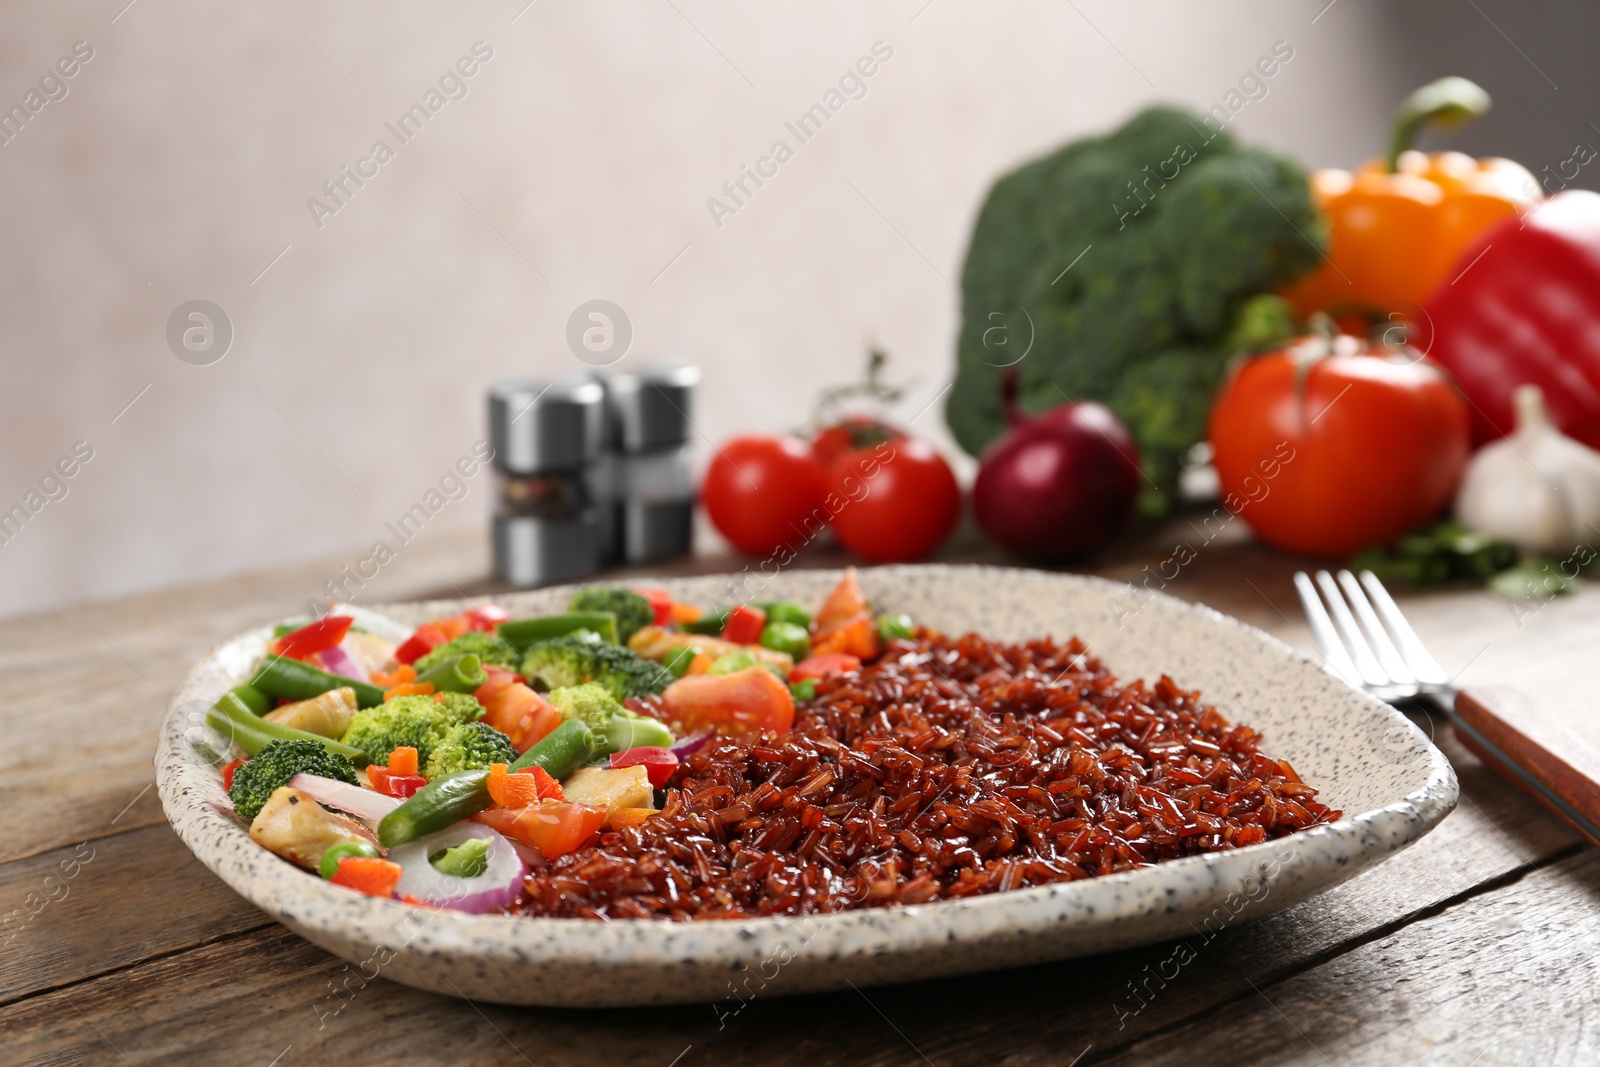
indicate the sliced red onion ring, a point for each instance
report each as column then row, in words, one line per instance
column 688, row 746
column 362, row 803
column 492, row 890
column 337, row 661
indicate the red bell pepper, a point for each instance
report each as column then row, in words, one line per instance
column 658, row 763
column 389, row 783
column 1523, row 306
column 660, row 604
column 319, row 636
column 744, row 625
column 484, row 619
column 428, row 637
column 228, row 770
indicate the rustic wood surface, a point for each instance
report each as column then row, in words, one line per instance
column 1480, row 945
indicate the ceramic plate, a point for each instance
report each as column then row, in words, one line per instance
column 1366, row 759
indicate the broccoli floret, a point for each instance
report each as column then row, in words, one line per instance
column 471, row 746
column 632, row 610
column 1187, row 229
column 616, row 729
column 417, row 721
column 571, row 660
column 271, row 768
column 491, row 650
column 459, row 707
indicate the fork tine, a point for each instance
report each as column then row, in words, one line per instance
column 1354, row 641
column 1389, row 656
column 1416, row 654
column 1323, row 632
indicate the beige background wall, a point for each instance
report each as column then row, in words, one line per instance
column 578, row 165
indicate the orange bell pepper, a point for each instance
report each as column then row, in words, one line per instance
column 1397, row 227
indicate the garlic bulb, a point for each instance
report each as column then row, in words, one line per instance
column 1537, row 488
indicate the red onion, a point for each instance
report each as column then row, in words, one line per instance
column 337, row 661
column 1058, row 485
column 685, row 747
column 492, row 890
column 362, row 803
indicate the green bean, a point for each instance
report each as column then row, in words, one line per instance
column 234, row 720
column 463, row 674
column 787, row 637
column 678, row 662
column 563, row 750
column 252, row 698
column 786, row 611
column 280, row 676
column 443, row 802
column 711, row 623
column 524, row 632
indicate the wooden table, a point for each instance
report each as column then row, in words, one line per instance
column 1480, row 945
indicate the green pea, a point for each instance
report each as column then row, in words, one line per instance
column 786, row 611
column 893, row 626
column 787, row 637
column 331, row 858
column 804, row 689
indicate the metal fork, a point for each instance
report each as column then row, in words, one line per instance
column 1366, row 639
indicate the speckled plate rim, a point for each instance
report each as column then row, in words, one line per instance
column 190, row 789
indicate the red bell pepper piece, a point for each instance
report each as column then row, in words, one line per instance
column 227, row 772
column 744, row 625
column 660, row 604
column 1522, row 305
column 484, row 619
column 319, row 636
column 392, row 784
column 428, row 637
column 658, row 763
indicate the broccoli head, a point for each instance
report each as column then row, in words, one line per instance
column 572, row 660
column 633, row 611
column 270, row 770
column 1180, row 231
column 459, row 707
column 615, row 728
column 470, row 746
column 492, row 650
column 419, row 722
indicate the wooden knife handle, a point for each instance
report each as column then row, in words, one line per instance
column 1541, row 747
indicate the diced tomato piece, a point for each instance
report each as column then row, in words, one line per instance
column 660, row 604
column 751, row 699
column 853, row 637
column 744, row 625
column 518, row 789
column 517, row 711
column 824, row 666
column 554, row 827
column 227, row 772
column 658, row 763
column 389, row 783
column 368, row 874
column 484, row 619
column 403, row 760
column 844, row 603
column 323, row 634
column 682, row 613
column 427, row 637
column 623, row 818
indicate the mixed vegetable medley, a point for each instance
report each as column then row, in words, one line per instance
column 440, row 771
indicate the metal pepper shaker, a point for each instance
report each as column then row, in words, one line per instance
column 646, row 471
column 547, row 440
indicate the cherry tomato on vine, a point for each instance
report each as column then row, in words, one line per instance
column 897, row 500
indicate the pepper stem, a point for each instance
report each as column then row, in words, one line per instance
column 1448, row 102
